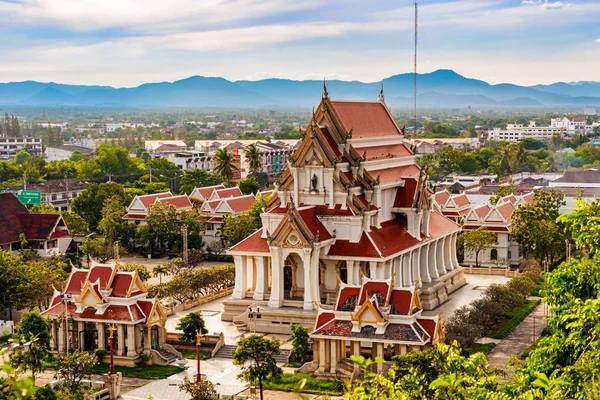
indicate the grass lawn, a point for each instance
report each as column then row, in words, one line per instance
column 192, row 355
column 291, row 382
column 515, row 317
column 147, row 371
column 6, row 338
column 294, row 364
column 480, row 348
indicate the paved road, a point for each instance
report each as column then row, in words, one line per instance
column 519, row 339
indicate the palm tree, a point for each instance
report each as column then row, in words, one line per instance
column 224, row 167
column 521, row 155
column 159, row 270
column 253, row 158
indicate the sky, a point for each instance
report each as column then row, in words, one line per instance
column 125, row 43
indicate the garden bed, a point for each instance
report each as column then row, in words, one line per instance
column 193, row 355
column 292, row 382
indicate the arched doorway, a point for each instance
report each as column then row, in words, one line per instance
column 154, row 337
column 290, row 281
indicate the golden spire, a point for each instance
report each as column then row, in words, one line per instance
column 111, row 330
column 198, row 337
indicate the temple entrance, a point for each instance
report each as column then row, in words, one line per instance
column 343, row 272
column 90, row 337
column 154, row 337
column 287, row 282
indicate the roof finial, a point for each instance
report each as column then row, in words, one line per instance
column 381, row 96
column 325, row 93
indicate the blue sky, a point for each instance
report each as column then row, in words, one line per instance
column 129, row 42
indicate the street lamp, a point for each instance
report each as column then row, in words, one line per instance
column 172, row 180
column 111, row 330
column 66, row 299
column 198, row 343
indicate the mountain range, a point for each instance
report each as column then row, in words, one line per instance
column 442, row 88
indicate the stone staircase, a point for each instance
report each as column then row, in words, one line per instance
column 226, row 350
column 170, row 357
column 346, row 367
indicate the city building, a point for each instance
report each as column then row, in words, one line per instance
column 46, row 233
column 213, row 212
column 375, row 319
column 191, row 159
column 164, row 146
column 65, row 152
column 576, row 183
column 139, row 208
column 426, row 146
column 96, row 299
column 517, row 132
column 340, row 210
column 469, row 180
column 57, row 193
column 10, row 146
column 113, row 126
column 273, row 157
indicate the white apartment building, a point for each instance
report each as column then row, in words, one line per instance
column 111, row 127
column 517, row 132
column 10, row 146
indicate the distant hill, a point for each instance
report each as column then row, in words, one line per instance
column 442, row 88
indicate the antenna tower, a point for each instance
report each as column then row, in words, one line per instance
column 415, row 77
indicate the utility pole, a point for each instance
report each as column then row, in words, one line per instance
column 116, row 251
column 184, row 233
column 150, row 174
column 24, row 179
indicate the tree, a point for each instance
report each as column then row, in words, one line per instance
column 159, row 270
column 97, row 247
column 113, row 211
column 77, row 156
column 502, row 191
column 237, row 227
column 115, row 160
column 249, row 185
column 463, row 327
column 194, row 178
column 300, row 345
column 203, row 390
column 75, row 224
column 76, row 367
column 478, row 239
column 43, row 209
column 255, row 355
column 90, row 202
column 33, row 339
column 252, row 155
column 224, row 165
column 190, row 325
column 22, row 157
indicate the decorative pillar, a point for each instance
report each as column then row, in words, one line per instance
column 406, row 279
column 322, row 356
column 454, row 257
column 131, row 341
column 61, row 336
column 356, row 353
column 296, row 187
column 121, row 334
column 373, row 269
column 314, row 274
column 350, row 265
column 416, row 264
column 294, row 288
column 379, row 347
column 148, row 341
column 338, row 277
column 261, row 278
column 334, row 352
column 432, row 267
column 276, row 299
column 424, row 261
column 239, row 292
column 448, row 253
column 440, row 257
column 80, row 328
column 308, row 292
column 101, row 336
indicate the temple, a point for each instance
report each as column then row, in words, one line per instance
column 374, row 319
column 97, row 298
column 352, row 201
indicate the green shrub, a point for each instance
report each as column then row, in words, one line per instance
column 516, row 317
column 505, row 297
column 522, row 284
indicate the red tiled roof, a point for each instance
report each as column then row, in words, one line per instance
column 241, row 204
column 135, row 216
column 136, row 313
column 179, row 202
column 330, row 141
column 112, row 313
column 324, row 317
column 402, row 240
column 335, row 328
column 440, row 225
column 348, row 298
column 366, row 119
column 405, row 195
column 309, row 216
column 215, row 219
column 100, row 272
column 229, row 192
column 213, row 204
column 482, row 210
column 364, row 248
column 400, row 301
column 441, row 197
column 381, row 152
column 38, row 226
column 149, row 199
column 428, row 325
column 121, row 284
column 336, row 210
column 489, row 228
column 59, row 234
column 253, row 243
column 395, row 174
column 75, row 282
column 461, row 200
column 378, row 288
column 506, row 210
column 207, row 191
column 146, row 306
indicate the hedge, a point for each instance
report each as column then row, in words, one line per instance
column 516, row 317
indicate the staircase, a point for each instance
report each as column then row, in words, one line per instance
column 226, row 350
column 170, row 357
column 346, row 367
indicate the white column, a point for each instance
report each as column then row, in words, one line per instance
column 322, row 356
column 131, row 341
column 398, row 263
column 440, row 257
column 350, row 265
column 121, row 339
column 101, row 338
column 80, row 328
column 416, row 265
column 250, row 280
column 261, row 278
column 431, row 250
column 373, row 269
column 333, row 347
column 239, row 292
column 448, row 253
column 308, row 292
column 276, row 299
column 379, row 347
column 406, row 279
column 424, row 262
column 454, row 257
column 296, row 187
column 357, row 277
column 61, row 336
column 315, row 272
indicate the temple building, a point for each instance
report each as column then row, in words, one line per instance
column 375, row 319
column 97, row 298
column 352, row 200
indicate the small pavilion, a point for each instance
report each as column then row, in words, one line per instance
column 375, row 319
column 97, row 298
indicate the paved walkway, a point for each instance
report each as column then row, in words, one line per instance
column 519, row 339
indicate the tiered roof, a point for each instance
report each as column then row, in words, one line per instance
column 15, row 219
column 140, row 205
column 379, row 312
column 104, row 293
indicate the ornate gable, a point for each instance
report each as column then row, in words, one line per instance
column 157, row 314
column 89, row 297
column 369, row 312
column 292, row 231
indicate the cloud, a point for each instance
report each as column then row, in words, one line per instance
column 544, row 4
